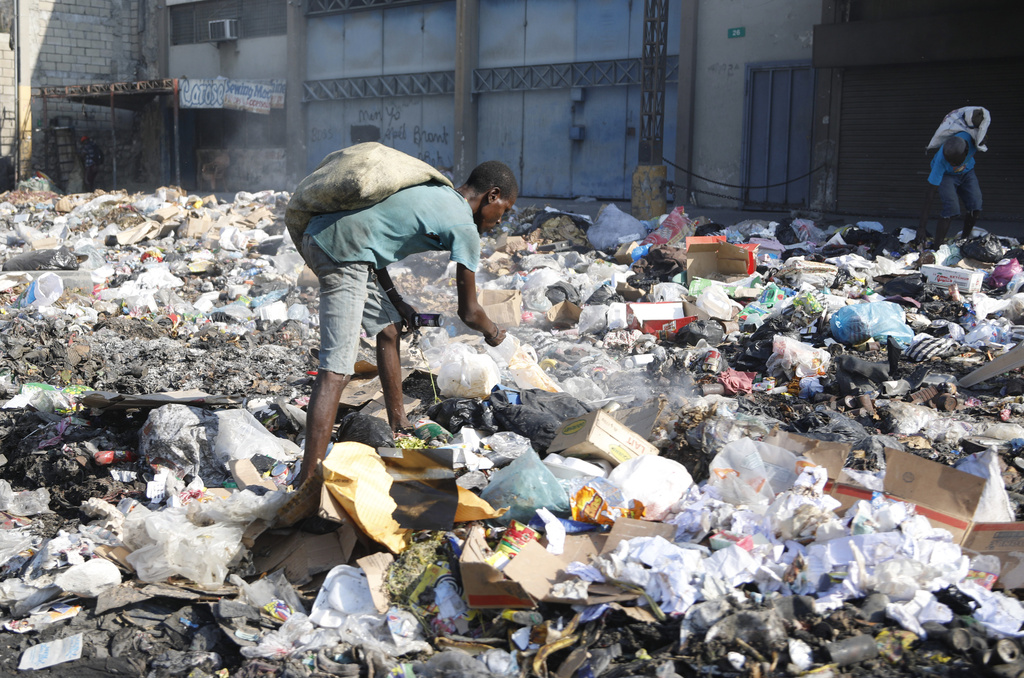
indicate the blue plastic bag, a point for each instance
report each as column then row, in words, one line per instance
column 876, row 320
column 524, row 486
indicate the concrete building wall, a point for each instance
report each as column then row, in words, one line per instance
column 252, row 58
column 776, row 30
column 76, row 42
column 8, row 120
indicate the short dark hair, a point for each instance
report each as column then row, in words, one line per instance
column 487, row 175
column 955, row 150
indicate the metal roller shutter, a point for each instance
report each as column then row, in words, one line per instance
column 889, row 114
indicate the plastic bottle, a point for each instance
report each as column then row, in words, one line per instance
column 503, row 352
column 523, row 617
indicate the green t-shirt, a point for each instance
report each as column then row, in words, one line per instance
column 424, row 218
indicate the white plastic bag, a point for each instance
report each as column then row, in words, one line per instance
column 752, row 473
column 614, row 226
column 655, row 481
column 994, row 506
column 794, row 358
column 465, row 374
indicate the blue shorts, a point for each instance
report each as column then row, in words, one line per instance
column 350, row 297
column 964, row 185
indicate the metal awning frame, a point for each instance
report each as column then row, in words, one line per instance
column 124, row 95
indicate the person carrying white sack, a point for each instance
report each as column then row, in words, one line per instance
column 952, row 175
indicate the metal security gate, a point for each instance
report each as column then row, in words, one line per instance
column 777, row 135
column 556, row 88
column 888, row 116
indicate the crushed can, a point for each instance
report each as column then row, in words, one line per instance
column 428, row 320
column 712, row 360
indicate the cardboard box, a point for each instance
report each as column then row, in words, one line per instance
column 967, row 280
column 708, row 256
column 504, row 307
column 944, row 495
column 564, row 314
column 1004, row 541
column 531, row 575
column 624, row 255
column 599, row 434
column 658, row 316
column 510, row 243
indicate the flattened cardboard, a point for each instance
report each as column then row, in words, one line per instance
column 830, row 455
column 510, row 243
column 376, row 567
column 302, row 555
column 530, row 576
column 630, row 528
column 537, row 571
column 504, row 307
column 246, row 475
column 599, row 434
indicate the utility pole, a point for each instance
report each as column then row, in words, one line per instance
column 648, row 199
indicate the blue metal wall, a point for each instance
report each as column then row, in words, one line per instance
column 527, row 126
column 388, row 41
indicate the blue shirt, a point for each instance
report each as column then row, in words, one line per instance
column 429, row 217
column 941, row 167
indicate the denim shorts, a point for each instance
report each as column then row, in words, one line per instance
column 350, row 297
column 964, row 185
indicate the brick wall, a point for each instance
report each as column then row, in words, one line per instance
column 80, row 42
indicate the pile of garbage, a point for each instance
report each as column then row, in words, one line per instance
column 766, row 448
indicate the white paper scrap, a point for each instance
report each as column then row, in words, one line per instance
column 55, row 652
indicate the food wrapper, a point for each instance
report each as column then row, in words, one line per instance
column 600, row 503
column 514, row 539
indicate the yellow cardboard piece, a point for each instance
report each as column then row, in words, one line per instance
column 472, row 507
column 355, row 475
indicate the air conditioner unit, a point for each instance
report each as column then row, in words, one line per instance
column 224, row 29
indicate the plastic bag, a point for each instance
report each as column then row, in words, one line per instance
column 877, row 320
column 795, row 358
column 60, row 259
column 614, row 226
column 455, row 413
column 593, row 319
column 177, row 547
column 43, row 291
column 527, row 373
column 505, row 447
column 25, row 503
column 674, row 228
column 465, row 374
column 538, row 416
column 1004, row 272
column 750, row 472
column 657, row 482
column 365, row 429
column 524, row 486
column 240, row 435
column 711, row 331
column 986, row 248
